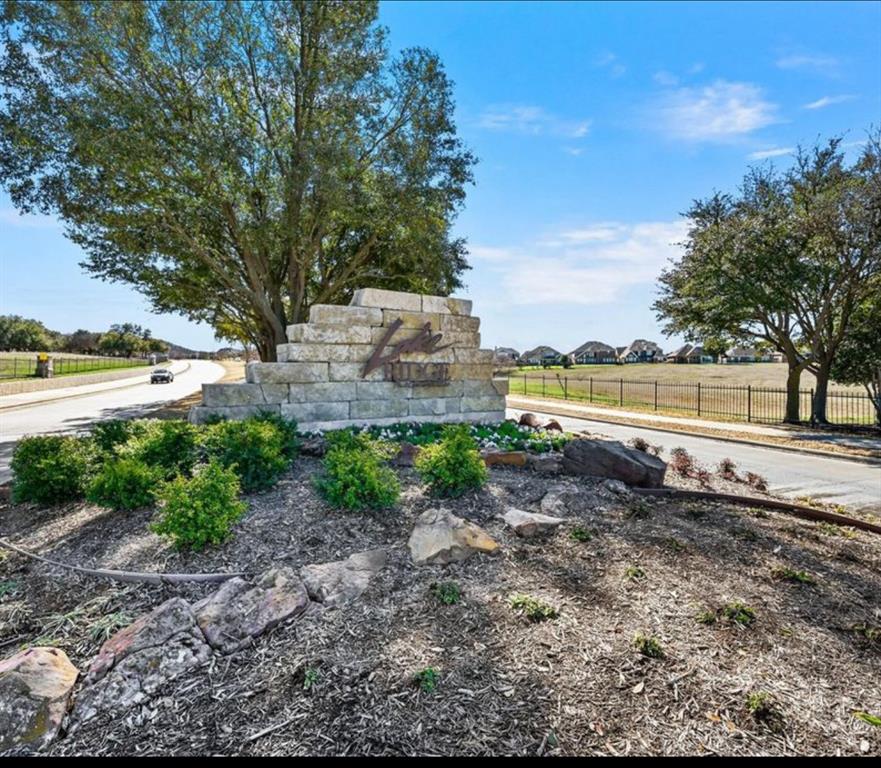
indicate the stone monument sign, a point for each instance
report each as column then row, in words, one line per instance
column 387, row 357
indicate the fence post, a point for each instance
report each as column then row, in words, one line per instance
column 749, row 402
column 621, row 393
column 565, row 387
column 543, row 386
column 590, row 378
column 698, row 398
column 656, row 394
column 811, row 406
column 524, row 384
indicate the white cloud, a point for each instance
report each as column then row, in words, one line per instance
column 721, row 111
column 819, row 63
column 667, row 79
column 589, row 265
column 487, row 253
column 611, row 63
column 12, row 218
column 574, row 151
column 828, row 101
column 532, row 120
column 764, row 154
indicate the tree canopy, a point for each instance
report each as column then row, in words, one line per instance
column 234, row 161
column 784, row 261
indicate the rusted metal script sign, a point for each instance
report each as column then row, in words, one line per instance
column 425, row 342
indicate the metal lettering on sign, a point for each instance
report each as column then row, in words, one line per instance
column 418, row 373
column 424, row 341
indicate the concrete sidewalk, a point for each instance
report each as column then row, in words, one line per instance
column 736, row 430
column 25, row 399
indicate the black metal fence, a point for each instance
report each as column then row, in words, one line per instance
column 721, row 401
column 19, row 367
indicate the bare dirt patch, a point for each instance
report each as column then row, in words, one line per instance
column 341, row 681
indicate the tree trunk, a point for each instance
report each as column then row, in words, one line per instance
column 818, row 406
column 793, row 387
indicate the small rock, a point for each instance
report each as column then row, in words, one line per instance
column 504, row 458
column 406, row 455
column 553, row 426
column 617, row 487
column 440, row 538
column 528, row 524
column 613, row 460
column 344, row 580
column 137, row 661
column 35, row 686
column 240, row 611
column 313, row 446
column 529, row 420
column 566, row 499
column 546, row 463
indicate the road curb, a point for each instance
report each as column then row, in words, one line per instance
column 560, row 411
column 5, row 408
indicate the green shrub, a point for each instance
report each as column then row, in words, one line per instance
column 453, row 466
column 255, row 449
column 355, row 478
column 532, row 608
column 124, row 483
column 109, row 435
column 648, row 646
column 171, row 445
column 427, row 679
column 199, row 510
column 447, row 592
column 287, row 430
column 50, row 469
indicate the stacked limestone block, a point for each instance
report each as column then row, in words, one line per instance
column 318, row 377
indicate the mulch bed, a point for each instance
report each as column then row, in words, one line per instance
column 340, row 681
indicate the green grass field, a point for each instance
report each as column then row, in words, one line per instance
column 747, row 392
column 18, row 365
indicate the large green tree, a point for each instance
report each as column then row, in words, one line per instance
column 24, row 335
column 784, row 261
column 235, row 161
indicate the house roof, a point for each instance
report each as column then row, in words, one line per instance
column 592, row 346
column 743, row 352
column 507, row 351
column 643, row 345
column 542, row 351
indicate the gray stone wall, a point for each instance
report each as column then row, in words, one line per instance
column 318, row 379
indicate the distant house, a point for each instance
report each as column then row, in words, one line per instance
column 507, row 353
column 641, row 351
column 746, row 355
column 542, row 355
column 593, row 353
column 689, row 353
column 618, row 352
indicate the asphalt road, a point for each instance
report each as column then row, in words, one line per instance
column 837, row 481
column 76, row 413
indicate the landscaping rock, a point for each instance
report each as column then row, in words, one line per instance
column 137, row 661
column 440, row 538
column 504, row 458
column 547, row 463
column 553, row 426
column 406, row 455
column 567, row 499
column 240, row 611
column 344, row 580
column 529, row 420
column 528, row 524
column 611, row 459
column 35, row 686
column 617, row 488
column 314, row 446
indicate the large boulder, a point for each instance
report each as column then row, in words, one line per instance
column 239, row 611
column 530, row 524
column 35, row 686
column 343, row 580
column 529, row 420
column 440, row 538
column 139, row 660
column 611, row 459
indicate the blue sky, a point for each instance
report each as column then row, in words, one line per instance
column 595, row 126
